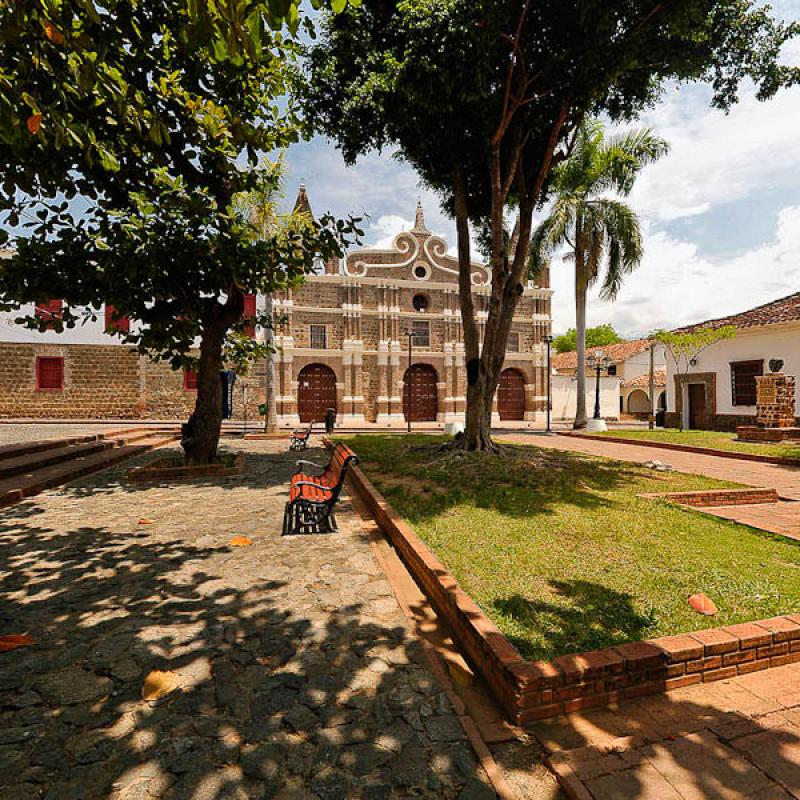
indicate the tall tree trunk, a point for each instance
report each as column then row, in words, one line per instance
column 270, row 415
column 580, row 343
column 205, row 423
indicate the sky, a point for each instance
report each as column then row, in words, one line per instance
column 720, row 214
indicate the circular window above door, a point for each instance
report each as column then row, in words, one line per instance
column 422, row 272
column 420, row 302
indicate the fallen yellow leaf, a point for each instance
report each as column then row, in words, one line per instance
column 145, row 522
column 158, row 685
column 240, row 541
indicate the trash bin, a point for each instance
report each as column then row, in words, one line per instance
column 330, row 420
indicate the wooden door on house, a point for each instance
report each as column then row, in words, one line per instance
column 419, row 383
column 316, row 392
column 698, row 418
column 511, row 395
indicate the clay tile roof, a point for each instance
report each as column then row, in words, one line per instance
column 643, row 381
column 616, row 352
column 786, row 309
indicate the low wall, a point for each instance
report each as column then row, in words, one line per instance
column 719, row 497
column 533, row 690
column 687, row 448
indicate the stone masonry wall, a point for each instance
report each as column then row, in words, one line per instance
column 100, row 381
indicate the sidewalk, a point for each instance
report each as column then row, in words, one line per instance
column 782, row 518
column 299, row 675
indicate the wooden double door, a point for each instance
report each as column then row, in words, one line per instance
column 698, row 412
column 316, row 392
column 511, row 395
column 419, row 387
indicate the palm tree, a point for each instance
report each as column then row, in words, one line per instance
column 601, row 231
column 261, row 208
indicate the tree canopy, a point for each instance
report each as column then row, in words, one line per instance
column 482, row 97
column 598, row 336
column 128, row 130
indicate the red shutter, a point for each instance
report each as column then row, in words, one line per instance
column 49, row 310
column 249, row 313
column 122, row 324
column 190, row 380
column 49, row 373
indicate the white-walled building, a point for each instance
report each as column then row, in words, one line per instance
column 719, row 391
column 628, row 377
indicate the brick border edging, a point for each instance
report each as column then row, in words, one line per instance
column 534, row 690
column 152, row 472
column 688, row 448
column 705, row 498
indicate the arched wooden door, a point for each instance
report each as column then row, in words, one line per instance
column 420, row 381
column 316, row 392
column 511, row 395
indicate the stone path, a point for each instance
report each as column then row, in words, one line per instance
column 299, row 675
column 782, row 518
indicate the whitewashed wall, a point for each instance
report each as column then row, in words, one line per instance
column 565, row 395
column 774, row 341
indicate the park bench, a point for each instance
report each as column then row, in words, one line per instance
column 300, row 437
column 312, row 497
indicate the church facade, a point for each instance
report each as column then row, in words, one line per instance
column 342, row 342
column 379, row 338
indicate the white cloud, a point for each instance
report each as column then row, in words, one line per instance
column 676, row 285
column 715, row 157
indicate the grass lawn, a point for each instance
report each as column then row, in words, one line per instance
column 714, row 439
column 561, row 553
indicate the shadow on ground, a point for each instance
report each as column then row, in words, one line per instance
column 298, row 680
column 592, row 616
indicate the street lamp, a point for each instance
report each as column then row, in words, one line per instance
column 549, row 341
column 598, row 361
column 410, row 333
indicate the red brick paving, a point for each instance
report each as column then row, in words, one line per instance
column 733, row 739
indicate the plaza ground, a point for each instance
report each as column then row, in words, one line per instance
column 299, row 675
column 301, row 678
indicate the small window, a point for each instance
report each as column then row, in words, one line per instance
column 249, row 313
column 319, row 337
column 422, row 332
column 190, row 380
column 122, row 324
column 513, row 343
column 743, row 381
column 421, row 272
column 50, row 310
column 420, row 303
column 50, row 373
column 612, row 369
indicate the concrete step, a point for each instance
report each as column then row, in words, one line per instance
column 23, row 485
column 30, row 462
column 8, row 451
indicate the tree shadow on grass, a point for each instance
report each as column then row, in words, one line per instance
column 582, row 616
column 423, row 483
column 294, row 675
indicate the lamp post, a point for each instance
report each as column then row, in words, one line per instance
column 598, row 361
column 549, row 341
column 410, row 333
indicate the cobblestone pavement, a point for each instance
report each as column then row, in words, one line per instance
column 299, row 677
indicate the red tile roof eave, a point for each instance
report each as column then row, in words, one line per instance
column 786, row 311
